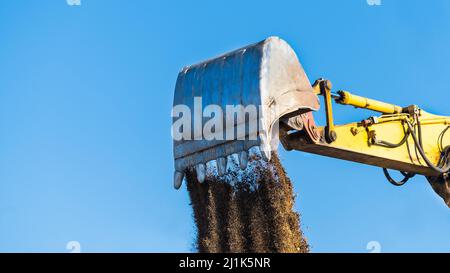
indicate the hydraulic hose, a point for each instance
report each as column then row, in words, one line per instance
column 402, row 182
column 419, row 147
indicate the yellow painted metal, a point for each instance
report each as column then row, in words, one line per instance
column 355, row 142
column 316, row 87
column 325, row 87
column 348, row 98
column 365, row 141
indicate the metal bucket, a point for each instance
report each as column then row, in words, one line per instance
column 267, row 76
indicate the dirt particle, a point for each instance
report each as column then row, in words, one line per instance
column 246, row 211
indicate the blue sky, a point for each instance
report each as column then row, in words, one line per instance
column 85, row 99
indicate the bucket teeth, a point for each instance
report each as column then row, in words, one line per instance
column 178, row 179
column 265, row 152
column 221, row 166
column 243, row 159
column 201, row 172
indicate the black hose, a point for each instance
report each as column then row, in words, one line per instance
column 419, row 147
column 402, row 182
column 441, row 137
column 392, row 145
column 442, row 166
column 419, row 129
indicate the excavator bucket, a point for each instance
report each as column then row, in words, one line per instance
column 232, row 103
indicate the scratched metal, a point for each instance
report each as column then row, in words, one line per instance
column 267, row 74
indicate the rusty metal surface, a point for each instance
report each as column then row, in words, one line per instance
column 267, row 74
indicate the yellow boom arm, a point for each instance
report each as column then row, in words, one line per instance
column 368, row 142
column 408, row 139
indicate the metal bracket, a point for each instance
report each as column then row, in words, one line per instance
column 325, row 87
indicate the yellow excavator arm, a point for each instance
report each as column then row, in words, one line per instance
column 268, row 75
column 406, row 139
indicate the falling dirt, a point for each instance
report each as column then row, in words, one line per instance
column 246, row 211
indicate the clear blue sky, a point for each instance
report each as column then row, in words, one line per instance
column 85, row 100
